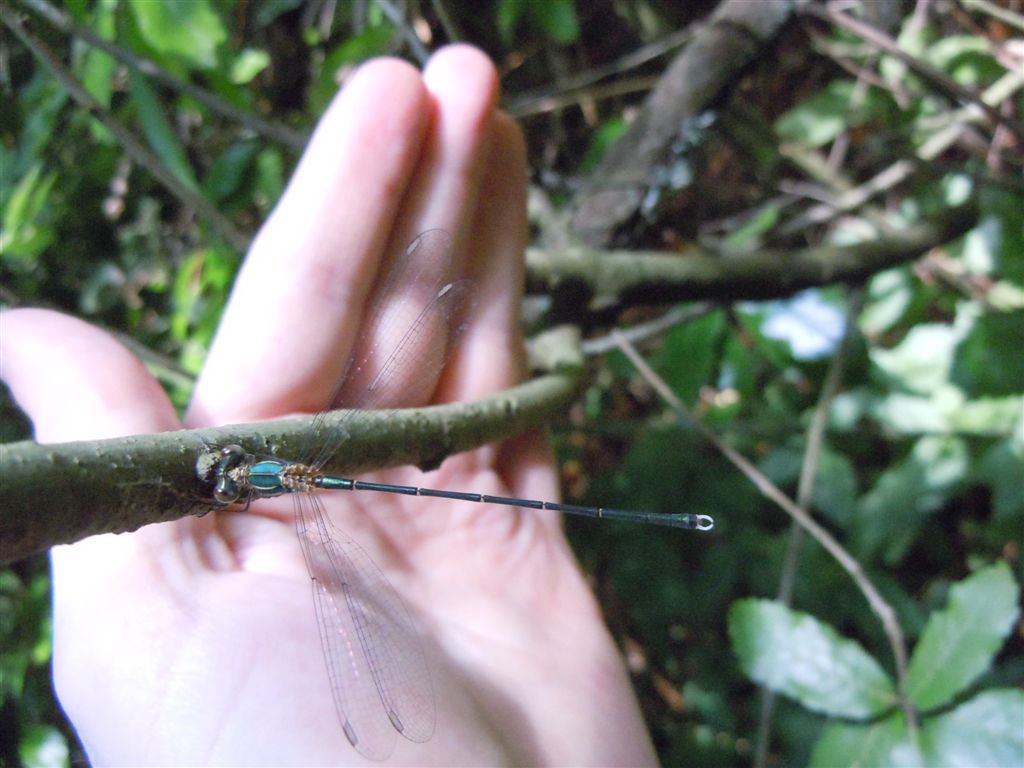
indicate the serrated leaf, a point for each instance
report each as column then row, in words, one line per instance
column 794, row 654
column 885, row 743
column 959, row 643
column 986, row 731
column 190, row 31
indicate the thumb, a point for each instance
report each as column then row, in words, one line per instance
column 76, row 382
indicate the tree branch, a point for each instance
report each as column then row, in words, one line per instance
column 734, row 35
column 57, row 494
column 646, row 277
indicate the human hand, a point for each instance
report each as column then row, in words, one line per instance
column 196, row 641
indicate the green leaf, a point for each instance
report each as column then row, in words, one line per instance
column 228, row 170
column 269, row 178
column 607, row 134
column 967, row 58
column 986, row 731
column 890, row 293
column 1000, row 469
column 247, row 65
column 922, row 361
column 820, row 118
column 685, row 359
column 794, row 654
column 890, row 516
column 98, row 68
column 845, row 745
column 24, row 233
column 557, row 19
column 187, row 29
column 161, row 137
column 959, row 643
column 988, row 361
column 372, row 42
column 507, row 16
column 43, row 746
column 749, row 233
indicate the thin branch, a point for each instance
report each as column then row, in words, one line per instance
column 877, row 603
column 650, row 277
column 419, row 51
column 136, row 149
column 641, row 332
column 805, row 490
column 930, row 73
column 565, row 99
column 526, row 103
column 1004, row 15
column 450, row 25
column 901, row 170
column 54, row 494
column 63, row 21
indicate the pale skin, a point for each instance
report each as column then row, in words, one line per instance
column 194, row 642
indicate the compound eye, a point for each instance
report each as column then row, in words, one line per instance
column 226, row 491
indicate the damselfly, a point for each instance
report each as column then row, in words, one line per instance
column 378, row 672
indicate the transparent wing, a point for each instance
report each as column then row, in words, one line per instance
column 378, row 672
column 410, row 332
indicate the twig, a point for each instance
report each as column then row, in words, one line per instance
column 408, row 33
column 448, row 24
column 524, row 103
column 877, row 603
column 564, row 99
column 640, row 333
column 148, row 67
column 1003, row 14
column 650, row 277
column 901, row 170
column 138, row 151
column 804, row 493
column 885, row 43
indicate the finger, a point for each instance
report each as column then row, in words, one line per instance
column 76, row 382
column 286, row 334
column 497, row 247
column 444, row 194
column 492, row 357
